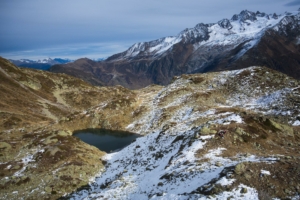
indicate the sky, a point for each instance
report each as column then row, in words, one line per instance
column 73, row 29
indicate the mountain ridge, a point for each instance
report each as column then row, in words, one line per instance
column 42, row 64
column 235, row 43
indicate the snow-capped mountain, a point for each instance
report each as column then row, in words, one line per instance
column 246, row 26
column 43, row 64
column 248, row 38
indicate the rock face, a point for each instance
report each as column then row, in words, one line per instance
column 247, row 39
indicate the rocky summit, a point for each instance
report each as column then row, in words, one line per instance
column 220, row 135
column 247, row 39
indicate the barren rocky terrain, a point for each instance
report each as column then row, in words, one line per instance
column 181, row 154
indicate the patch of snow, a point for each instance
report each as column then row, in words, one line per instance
column 296, row 123
column 225, row 181
column 27, row 160
column 297, row 197
column 265, row 172
column 270, row 99
column 227, row 120
column 166, row 44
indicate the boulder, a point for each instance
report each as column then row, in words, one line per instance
column 285, row 129
column 5, row 146
column 240, row 131
column 207, row 131
column 64, row 133
column 240, row 168
column 48, row 189
column 49, row 140
column 244, row 190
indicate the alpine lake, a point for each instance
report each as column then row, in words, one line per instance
column 106, row 140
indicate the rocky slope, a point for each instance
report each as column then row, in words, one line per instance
column 181, row 155
column 245, row 40
column 39, row 159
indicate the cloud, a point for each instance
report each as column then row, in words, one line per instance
column 293, row 3
column 40, row 25
column 75, row 51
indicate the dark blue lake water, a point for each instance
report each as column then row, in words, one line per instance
column 106, row 140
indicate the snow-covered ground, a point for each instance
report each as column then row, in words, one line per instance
column 161, row 166
column 164, row 163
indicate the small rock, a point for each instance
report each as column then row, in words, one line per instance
column 244, row 190
column 64, row 133
column 287, row 191
column 240, row 168
column 16, row 167
column 219, row 164
column 247, row 155
column 240, row 131
column 206, row 131
column 216, row 190
column 5, row 146
column 247, row 176
column 49, row 140
column 48, row 189
column 160, row 184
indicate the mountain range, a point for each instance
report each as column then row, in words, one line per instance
column 248, row 38
column 42, row 64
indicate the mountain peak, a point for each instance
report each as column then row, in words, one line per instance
column 244, row 15
column 262, row 14
column 225, row 23
column 275, row 16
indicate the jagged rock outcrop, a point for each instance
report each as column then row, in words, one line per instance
column 225, row 23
